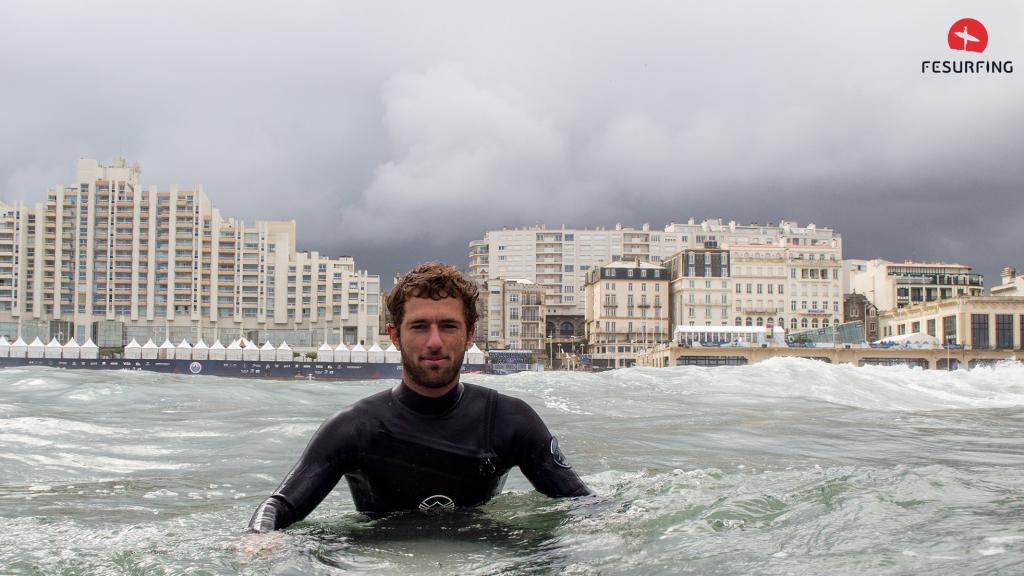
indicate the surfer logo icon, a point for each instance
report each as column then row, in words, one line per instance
column 556, row 454
column 437, row 503
column 969, row 35
column 195, row 367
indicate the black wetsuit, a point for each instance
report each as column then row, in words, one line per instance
column 400, row 450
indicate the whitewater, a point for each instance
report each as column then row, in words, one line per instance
column 788, row 466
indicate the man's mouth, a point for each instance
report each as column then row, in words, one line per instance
column 435, row 362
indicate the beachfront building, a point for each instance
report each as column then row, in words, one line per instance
column 974, row 322
column 891, row 285
column 1012, row 284
column 805, row 259
column 515, row 315
column 756, row 275
column 166, row 264
column 626, row 310
column 558, row 259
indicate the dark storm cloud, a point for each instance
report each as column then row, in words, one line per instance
column 397, row 133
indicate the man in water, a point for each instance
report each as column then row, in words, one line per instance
column 431, row 443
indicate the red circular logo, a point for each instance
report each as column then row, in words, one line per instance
column 969, row 35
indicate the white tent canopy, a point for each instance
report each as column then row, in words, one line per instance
column 474, row 355
column 90, row 350
column 53, row 349
column 375, row 354
column 36, row 349
column 392, row 355
column 167, row 350
column 342, row 353
column 19, row 348
column 232, row 352
column 73, row 350
column 200, row 351
column 358, row 354
column 133, row 351
column 149, row 350
column 284, row 352
column 184, row 351
column 325, row 353
column 217, row 351
column 5, row 347
column 250, row 351
column 267, row 352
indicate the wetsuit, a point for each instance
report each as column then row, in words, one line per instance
column 400, row 450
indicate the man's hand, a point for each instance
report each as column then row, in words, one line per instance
column 259, row 545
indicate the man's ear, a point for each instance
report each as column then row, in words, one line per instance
column 469, row 338
column 393, row 333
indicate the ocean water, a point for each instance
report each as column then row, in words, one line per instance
column 784, row 467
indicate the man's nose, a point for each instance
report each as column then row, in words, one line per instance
column 434, row 338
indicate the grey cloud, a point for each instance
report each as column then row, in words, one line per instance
column 397, row 133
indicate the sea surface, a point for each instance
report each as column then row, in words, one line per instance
column 784, row 467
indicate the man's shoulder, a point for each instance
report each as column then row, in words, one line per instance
column 503, row 402
column 376, row 401
column 369, row 406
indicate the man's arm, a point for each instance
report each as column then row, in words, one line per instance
column 538, row 454
column 329, row 454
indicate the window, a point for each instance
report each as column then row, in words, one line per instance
column 979, row 331
column 949, row 329
column 1004, row 331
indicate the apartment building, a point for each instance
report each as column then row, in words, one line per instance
column 106, row 248
column 891, row 285
column 722, row 272
column 515, row 315
column 755, row 275
column 626, row 311
column 558, row 259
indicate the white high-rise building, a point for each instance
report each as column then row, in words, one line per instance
column 749, row 274
column 558, row 259
column 108, row 249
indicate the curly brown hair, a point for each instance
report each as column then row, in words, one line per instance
column 434, row 280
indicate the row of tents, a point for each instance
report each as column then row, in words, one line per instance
column 240, row 349
column 19, row 349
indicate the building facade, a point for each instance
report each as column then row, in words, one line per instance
column 891, row 285
column 756, row 275
column 974, row 322
column 792, row 272
column 515, row 315
column 627, row 311
column 167, row 262
column 857, row 308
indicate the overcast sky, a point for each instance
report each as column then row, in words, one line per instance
column 398, row 132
